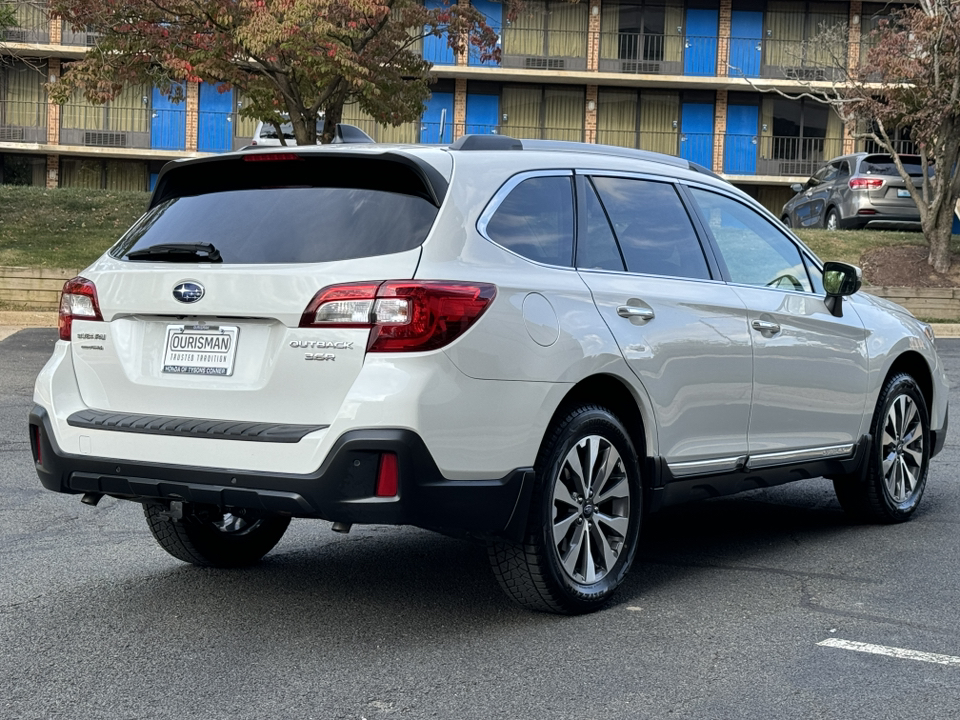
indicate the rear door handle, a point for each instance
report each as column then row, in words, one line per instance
column 634, row 311
column 766, row 327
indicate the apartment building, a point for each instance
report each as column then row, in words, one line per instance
column 682, row 77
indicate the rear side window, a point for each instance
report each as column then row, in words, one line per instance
column 536, row 220
column 884, row 165
column 301, row 211
column 652, row 226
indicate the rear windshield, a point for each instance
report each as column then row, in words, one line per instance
column 884, row 165
column 286, row 208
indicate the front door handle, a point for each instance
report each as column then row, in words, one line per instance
column 766, row 327
column 633, row 311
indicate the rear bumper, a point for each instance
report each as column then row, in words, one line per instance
column 342, row 489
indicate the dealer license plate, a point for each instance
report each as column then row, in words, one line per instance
column 200, row 349
column 903, row 193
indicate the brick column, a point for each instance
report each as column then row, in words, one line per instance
column 590, row 116
column 56, row 30
column 723, row 38
column 462, row 56
column 53, row 109
column 53, row 171
column 719, row 129
column 193, row 107
column 855, row 24
column 459, row 108
column 593, row 37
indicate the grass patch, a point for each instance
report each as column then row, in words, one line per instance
column 63, row 228
column 849, row 245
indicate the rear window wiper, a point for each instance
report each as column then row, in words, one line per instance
column 178, row 252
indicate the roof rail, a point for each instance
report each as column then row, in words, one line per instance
column 564, row 146
column 487, row 142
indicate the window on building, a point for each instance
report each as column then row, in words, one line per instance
column 125, row 121
column 545, row 30
column 18, row 169
column 646, row 120
column 804, row 40
column 641, row 36
column 797, row 136
column 96, row 173
column 543, row 112
column 23, row 103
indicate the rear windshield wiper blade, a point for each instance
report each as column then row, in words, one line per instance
column 203, row 252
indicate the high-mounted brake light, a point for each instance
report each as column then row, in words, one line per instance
column 78, row 301
column 404, row 315
column 864, row 183
column 271, row 157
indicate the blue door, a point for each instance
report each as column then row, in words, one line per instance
column 436, row 49
column 168, row 127
column 214, row 120
column 483, row 114
column 437, row 123
column 746, row 43
column 493, row 16
column 700, row 45
column 696, row 133
column 740, row 145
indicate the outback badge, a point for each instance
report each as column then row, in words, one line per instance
column 188, row 292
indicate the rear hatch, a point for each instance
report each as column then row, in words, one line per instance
column 892, row 195
column 202, row 299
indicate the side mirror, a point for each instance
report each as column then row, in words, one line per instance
column 839, row 279
column 797, row 188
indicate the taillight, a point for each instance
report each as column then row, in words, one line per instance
column 864, row 183
column 78, row 300
column 404, row 315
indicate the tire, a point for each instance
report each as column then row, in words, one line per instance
column 786, row 221
column 578, row 569
column 209, row 537
column 832, row 220
column 896, row 474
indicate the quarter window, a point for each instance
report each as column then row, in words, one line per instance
column 596, row 247
column 755, row 252
column 536, row 220
column 652, row 226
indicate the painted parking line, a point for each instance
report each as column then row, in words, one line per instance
column 900, row 653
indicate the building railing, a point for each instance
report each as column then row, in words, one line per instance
column 791, row 59
column 106, row 125
column 777, row 155
column 642, row 53
column 83, row 37
column 903, row 147
column 32, row 24
column 543, row 49
column 23, row 121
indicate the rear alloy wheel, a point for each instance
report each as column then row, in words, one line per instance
column 897, row 473
column 832, row 221
column 584, row 518
column 209, row 537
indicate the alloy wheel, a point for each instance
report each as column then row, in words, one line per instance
column 591, row 509
column 902, row 448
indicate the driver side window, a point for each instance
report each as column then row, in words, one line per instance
column 754, row 251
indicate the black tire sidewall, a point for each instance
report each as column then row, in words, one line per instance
column 586, row 421
column 897, row 386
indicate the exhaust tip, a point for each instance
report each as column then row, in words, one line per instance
column 91, row 498
column 341, row 527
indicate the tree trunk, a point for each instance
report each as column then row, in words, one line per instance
column 332, row 116
column 937, row 231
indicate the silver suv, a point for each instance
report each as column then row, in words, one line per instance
column 535, row 344
column 855, row 191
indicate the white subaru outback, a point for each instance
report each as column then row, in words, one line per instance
column 530, row 343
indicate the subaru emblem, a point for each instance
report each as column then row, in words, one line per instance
column 188, row 292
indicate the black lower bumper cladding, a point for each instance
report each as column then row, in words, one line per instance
column 342, row 489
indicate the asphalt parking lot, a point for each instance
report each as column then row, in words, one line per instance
column 766, row 605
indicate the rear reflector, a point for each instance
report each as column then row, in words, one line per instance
column 864, row 183
column 78, row 301
column 403, row 315
column 866, row 211
column 388, row 480
column 271, row 157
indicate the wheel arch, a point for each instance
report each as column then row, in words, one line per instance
column 915, row 365
column 616, row 395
